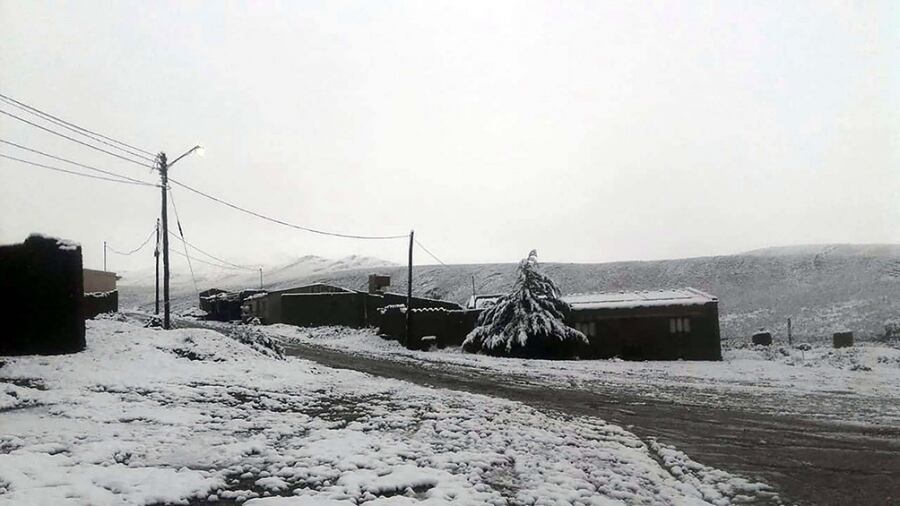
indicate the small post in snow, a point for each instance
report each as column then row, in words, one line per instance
column 790, row 340
column 409, row 289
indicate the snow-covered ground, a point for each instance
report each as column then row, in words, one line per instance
column 152, row 417
column 859, row 384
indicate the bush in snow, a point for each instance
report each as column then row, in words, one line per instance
column 528, row 322
column 258, row 340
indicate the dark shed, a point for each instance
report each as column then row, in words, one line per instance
column 648, row 325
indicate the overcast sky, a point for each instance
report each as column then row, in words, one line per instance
column 590, row 131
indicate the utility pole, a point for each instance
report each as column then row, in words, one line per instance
column 156, row 254
column 790, row 339
column 104, row 256
column 473, row 285
column 260, row 278
column 409, row 289
column 164, row 176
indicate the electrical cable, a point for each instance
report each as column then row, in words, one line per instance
column 135, row 250
column 280, row 222
column 180, row 231
column 426, row 251
column 226, row 262
column 75, row 129
column 54, row 132
column 75, row 163
column 141, row 183
column 47, row 115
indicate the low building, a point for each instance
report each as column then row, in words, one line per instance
column 101, row 294
column 648, row 325
column 321, row 304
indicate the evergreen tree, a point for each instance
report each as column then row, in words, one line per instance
column 528, row 322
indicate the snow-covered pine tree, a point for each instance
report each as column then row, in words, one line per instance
column 528, row 322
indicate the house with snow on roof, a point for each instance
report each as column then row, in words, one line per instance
column 648, row 325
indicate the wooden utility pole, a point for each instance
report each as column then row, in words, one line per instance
column 409, row 289
column 790, row 339
column 473, row 285
column 164, row 176
column 156, row 254
column 104, row 256
column 260, row 278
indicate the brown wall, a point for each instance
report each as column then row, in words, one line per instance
column 99, row 281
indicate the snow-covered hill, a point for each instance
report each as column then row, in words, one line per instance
column 822, row 288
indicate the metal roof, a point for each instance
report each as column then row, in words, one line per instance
column 646, row 298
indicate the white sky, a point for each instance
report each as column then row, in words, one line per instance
column 590, row 131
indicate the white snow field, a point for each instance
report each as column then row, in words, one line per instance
column 858, row 385
column 146, row 416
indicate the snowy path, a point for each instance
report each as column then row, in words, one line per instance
column 151, row 417
column 819, row 462
column 810, row 462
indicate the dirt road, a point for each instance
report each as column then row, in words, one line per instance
column 809, row 462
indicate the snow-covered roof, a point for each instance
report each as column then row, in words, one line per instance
column 646, row 298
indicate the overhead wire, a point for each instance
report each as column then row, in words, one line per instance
column 54, row 132
column 75, row 163
column 49, row 167
column 135, row 250
column 195, row 259
column 181, row 231
column 429, row 252
column 226, row 262
column 281, row 222
column 80, row 130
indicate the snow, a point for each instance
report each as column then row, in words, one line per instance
column 145, row 416
column 860, row 384
column 647, row 298
column 62, row 244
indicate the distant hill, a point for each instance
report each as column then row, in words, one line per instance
column 823, row 288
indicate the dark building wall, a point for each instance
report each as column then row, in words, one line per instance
column 318, row 309
column 645, row 333
column 99, row 303
column 631, row 334
column 449, row 327
column 42, row 292
column 391, row 299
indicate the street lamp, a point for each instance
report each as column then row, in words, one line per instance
column 164, row 176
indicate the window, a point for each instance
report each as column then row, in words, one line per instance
column 587, row 328
column 679, row 325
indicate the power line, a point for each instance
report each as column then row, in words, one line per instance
column 75, row 163
column 141, row 183
column 72, row 127
column 280, row 222
column 46, row 115
column 54, row 132
column 426, row 251
column 195, row 259
column 135, row 250
column 236, row 266
column 180, row 231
